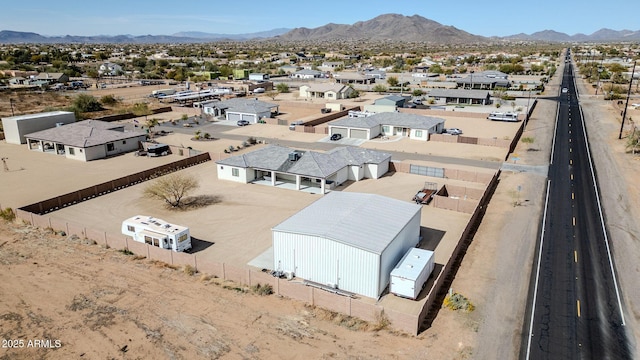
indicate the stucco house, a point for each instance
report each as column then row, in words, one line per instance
column 52, row 78
column 486, row 80
column 307, row 74
column 110, row 69
column 416, row 127
column 86, row 140
column 309, row 171
column 353, row 78
column 459, row 96
column 250, row 109
column 329, row 91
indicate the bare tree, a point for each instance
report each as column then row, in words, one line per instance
column 172, row 188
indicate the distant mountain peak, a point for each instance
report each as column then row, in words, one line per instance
column 398, row 27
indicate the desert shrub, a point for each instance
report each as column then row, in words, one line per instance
column 7, row 214
column 126, row 251
column 527, row 140
column 455, row 301
column 86, row 103
column 189, row 270
column 108, row 100
column 262, row 290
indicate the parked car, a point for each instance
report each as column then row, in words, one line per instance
column 335, row 137
column 325, row 110
column 453, row 131
column 243, row 122
column 564, row 90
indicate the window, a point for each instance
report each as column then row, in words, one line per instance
column 110, row 147
column 418, row 133
column 131, row 228
column 183, row 237
column 124, row 142
column 147, row 239
column 385, row 129
column 235, row 172
column 72, row 151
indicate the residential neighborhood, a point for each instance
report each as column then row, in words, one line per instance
column 382, row 191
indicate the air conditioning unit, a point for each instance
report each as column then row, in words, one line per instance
column 332, row 285
column 294, row 156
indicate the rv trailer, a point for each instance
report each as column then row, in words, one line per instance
column 156, row 232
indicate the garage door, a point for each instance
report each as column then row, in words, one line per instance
column 249, row 117
column 359, row 134
column 233, row 116
column 338, row 130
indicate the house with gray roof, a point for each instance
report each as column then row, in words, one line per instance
column 250, row 109
column 307, row 74
column 413, row 126
column 486, row 80
column 311, row 171
column 459, row 96
column 86, row 140
column 350, row 77
column 51, row 78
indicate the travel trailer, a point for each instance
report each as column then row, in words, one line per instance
column 500, row 116
column 156, row 232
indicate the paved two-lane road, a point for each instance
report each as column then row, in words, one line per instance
column 575, row 309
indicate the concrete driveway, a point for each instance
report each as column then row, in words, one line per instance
column 343, row 141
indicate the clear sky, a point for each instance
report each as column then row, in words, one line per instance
column 166, row 17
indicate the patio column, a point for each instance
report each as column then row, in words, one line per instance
column 323, row 182
column 298, row 179
column 273, row 178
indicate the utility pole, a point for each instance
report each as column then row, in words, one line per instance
column 624, row 114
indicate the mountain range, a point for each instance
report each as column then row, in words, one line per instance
column 384, row 27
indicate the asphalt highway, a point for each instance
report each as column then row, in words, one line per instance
column 574, row 311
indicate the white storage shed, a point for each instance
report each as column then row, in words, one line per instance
column 348, row 241
column 411, row 273
column 16, row 127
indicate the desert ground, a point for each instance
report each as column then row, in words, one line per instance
column 102, row 303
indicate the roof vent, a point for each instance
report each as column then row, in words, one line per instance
column 294, row 156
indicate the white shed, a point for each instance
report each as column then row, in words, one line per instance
column 16, row 127
column 411, row 273
column 348, row 241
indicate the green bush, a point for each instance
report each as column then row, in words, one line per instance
column 7, row 214
column 86, row 103
column 108, row 100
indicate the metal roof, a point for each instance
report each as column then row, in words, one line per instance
column 365, row 221
column 84, row 134
column 38, row 115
